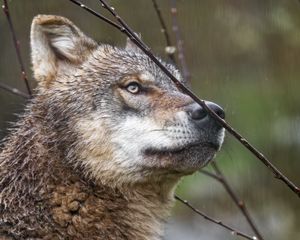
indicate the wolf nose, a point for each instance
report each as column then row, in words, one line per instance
column 198, row 113
column 217, row 109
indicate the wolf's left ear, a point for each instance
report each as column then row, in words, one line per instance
column 55, row 44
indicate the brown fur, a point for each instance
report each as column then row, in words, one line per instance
column 44, row 197
column 66, row 205
column 68, row 170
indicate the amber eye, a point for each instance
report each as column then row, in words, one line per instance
column 133, row 88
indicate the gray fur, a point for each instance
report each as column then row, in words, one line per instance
column 65, row 171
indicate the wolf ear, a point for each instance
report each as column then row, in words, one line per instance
column 131, row 46
column 56, row 43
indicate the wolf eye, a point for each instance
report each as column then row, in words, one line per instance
column 133, row 88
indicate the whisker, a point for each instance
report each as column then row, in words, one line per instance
column 158, row 130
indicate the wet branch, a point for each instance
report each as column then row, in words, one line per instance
column 126, row 30
column 14, row 91
column 16, row 44
column 210, row 174
column 170, row 49
column 218, row 222
column 179, row 42
column 105, row 19
column 219, row 176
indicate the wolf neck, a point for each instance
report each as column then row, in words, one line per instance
column 75, row 207
column 137, row 213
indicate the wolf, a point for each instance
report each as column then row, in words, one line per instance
column 101, row 146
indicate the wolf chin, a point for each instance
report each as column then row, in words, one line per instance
column 101, row 145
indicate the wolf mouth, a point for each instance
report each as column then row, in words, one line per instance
column 178, row 150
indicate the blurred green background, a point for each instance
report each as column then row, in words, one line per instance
column 244, row 55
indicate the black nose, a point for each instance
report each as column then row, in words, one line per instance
column 197, row 112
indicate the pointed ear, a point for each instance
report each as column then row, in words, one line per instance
column 131, row 46
column 57, row 43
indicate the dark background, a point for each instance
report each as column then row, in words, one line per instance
column 244, row 55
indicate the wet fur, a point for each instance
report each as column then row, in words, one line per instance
column 72, row 167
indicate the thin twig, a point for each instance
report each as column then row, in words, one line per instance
column 126, row 30
column 14, row 91
column 241, row 205
column 209, row 174
column 105, row 19
column 218, row 222
column 169, row 48
column 179, row 42
column 219, row 177
column 17, row 45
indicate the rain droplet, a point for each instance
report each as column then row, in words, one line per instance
column 170, row 49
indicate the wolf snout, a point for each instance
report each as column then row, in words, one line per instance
column 198, row 113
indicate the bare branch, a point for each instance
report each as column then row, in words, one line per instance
column 170, row 49
column 179, row 42
column 14, row 91
column 218, row 222
column 209, row 174
column 219, row 176
column 16, row 44
column 240, row 204
column 97, row 14
column 126, row 30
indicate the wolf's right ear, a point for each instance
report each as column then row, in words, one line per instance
column 56, row 43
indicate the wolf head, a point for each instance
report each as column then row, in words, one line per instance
column 125, row 120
